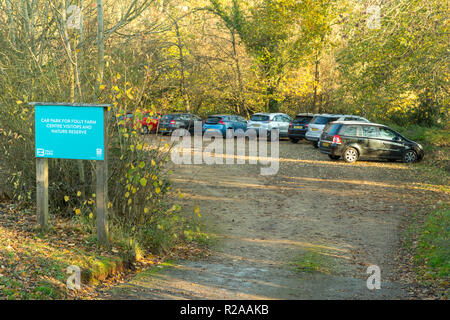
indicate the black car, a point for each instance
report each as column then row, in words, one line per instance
column 299, row 126
column 171, row 122
column 354, row 140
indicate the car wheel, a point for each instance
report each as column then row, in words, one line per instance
column 410, row 156
column 350, row 155
column 333, row 157
column 294, row 140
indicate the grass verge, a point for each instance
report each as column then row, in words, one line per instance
column 33, row 265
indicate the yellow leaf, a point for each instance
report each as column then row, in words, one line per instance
column 143, row 182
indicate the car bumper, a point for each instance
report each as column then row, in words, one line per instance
column 297, row 134
column 166, row 129
column 314, row 137
column 214, row 129
column 258, row 129
column 330, row 148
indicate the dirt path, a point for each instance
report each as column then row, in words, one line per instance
column 327, row 215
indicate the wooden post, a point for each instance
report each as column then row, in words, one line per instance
column 42, row 192
column 102, row 188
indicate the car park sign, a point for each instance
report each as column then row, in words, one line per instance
column 72, row 131
column 69, row 131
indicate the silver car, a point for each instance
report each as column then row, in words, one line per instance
column 319, row 122
column 268, row 121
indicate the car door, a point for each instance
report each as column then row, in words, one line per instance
column 285, row 125
column 277, row 123
column 372, row 146
column 392, row 146
column 187, row 122
column 243, row 123
column 233, row 123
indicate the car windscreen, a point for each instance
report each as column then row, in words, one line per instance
column 323, row 120
column 302, row 119
column 259, row 117
column 213, row 119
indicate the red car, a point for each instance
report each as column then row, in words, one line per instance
column 149, row 121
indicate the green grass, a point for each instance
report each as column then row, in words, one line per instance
column 433, row 246
column 428, row 136
column 312, row 261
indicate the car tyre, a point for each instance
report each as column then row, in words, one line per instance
column 410, row 156
column 350, row 155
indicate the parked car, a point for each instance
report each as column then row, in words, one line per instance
column 352, row 140
column 171, row 122
column 299, row 126
column 222, row 123
column 317, row 124
column 268, row 121
column 149, row 122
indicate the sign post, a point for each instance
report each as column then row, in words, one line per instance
column 72, row 131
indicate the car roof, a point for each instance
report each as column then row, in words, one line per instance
column 333, row 115
column 306, row 114
column 359, row 122
column 269, row 113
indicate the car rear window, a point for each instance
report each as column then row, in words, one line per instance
column 323, row 120
column 259, row 117
column 302, row 119
column 213, row 120
column 167, row 117
column 332, row 129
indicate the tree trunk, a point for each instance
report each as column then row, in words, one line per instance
column 100, row 47
column 316, row 83
column 11, row 27
column 182, row 67
column 240, row 105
